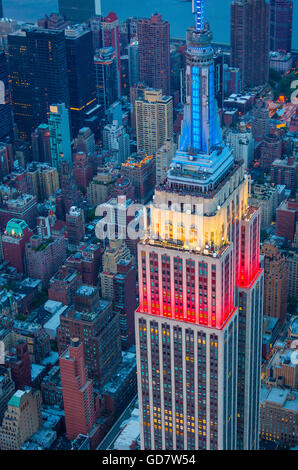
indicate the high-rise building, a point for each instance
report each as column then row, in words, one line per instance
column 116, row 141
column 200, row 285
column 75, row 223
column 64, row 284
column 81, row 75
column 41, row 148
column 276, row 282
column 116, row 251
column 97, row 327
column 133, row 62
column 38, row 73
column 59, row 128
column 1, row 9
column 125, row 301
column 250, row 40
column 154, row 53
column 14, row 240
column 43, row 180
column 107, row 77
column 48, row 69
column 6, row 123
column 21, row 420
column 44, row 257
column 77, row 390
column 20, row 365
column 154, row 120
column 7, row 389
column 281, row 22
column 164, row 157
column 270, row 150
column 260, row 121
column 54, row 21
column 111, row 38
column 140, row 170
column 78, row 11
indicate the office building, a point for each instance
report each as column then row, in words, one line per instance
column 193, row 334
column 107, row 77
column 116, row 142
column 125, row 301
column 133, row 62
column 40, row 139
column 154, row 120
column 59, row 127
column 81, row 76
column 241, row 141
column 53, row 21
column 75, row 225
column 78, row 11
column 276, row 278
column 21, row 419
column 44, row 257
column 14, row 240
column 87, row 261
column 281, row 25
column 111, row 38
column 279, row 415
column 286, row 220
column 64, row 284
column 154, row 53
column 18, row 360
column 77, row 390
column 98, row 329
column 140, row 170
column 116, row 251
column 7, row 389
column 163, row 159
column 250, row 41
column 270, row 150
column 6, row 121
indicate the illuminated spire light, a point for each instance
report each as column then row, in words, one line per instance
column 199, row 11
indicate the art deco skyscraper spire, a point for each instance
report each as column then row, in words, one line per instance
column 199, row 323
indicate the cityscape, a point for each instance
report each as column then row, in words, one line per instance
column 148, row 228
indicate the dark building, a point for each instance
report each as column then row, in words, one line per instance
column 111, row 38
column 40, row 139
column 1, row 9
column 281, row 19
column 48, row 66
column 54, row 21
column 21, row 83
column 98, row 329
column 64, row 284
column 78, row 11
column 107, row 77
column 20, row 365
column 154, row 52
column 38, row 73
column 125, row 301
column 81, row 75
column 250, row 40
column 6, row 123
column 14, row 240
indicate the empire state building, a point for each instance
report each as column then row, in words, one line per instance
column 199, row 322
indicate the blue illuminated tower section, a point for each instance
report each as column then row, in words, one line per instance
column 201, row 127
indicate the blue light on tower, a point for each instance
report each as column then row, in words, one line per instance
column 199, row 15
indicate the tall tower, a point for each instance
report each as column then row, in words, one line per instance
column 77, row 391
column 154, row 52
column 250, row 40
column 281, row 24
column 200, row 248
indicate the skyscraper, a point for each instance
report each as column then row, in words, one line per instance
column 111, row 38
column 81, row 75
column 250, row 40
column 77, row 391
column 281, row 19
column 59, row 128
column 154, row 120
column 6, row 124
column 154, row 52
column 38, row 74
column 202, row 243
column 107, row 77
column 78, row 11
